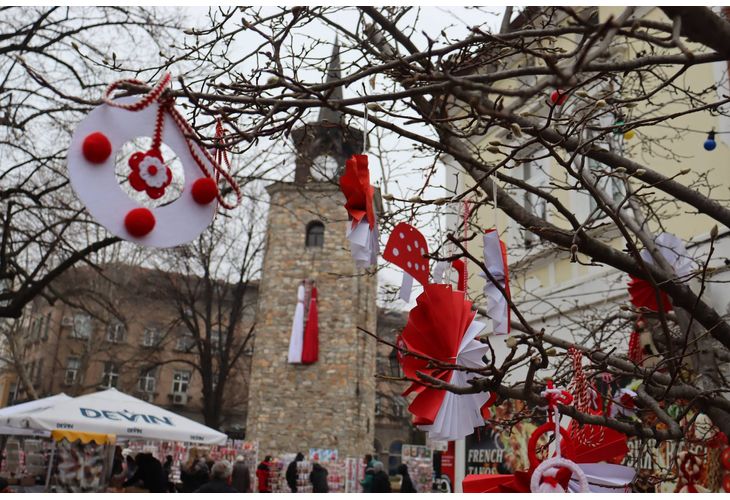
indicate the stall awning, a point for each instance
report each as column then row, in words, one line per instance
column 113, row 412
column 84, row 437
column 30, row 406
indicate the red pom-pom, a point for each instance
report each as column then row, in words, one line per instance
column 139, row 222
column 558, row 97
column 96, row 148
column 204, row 190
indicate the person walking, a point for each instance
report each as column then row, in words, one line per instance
column 367, row 481
column 241, row 476
column 220, row 477
column 193, row 473
column 406, row 485
column 149, row 474
column 291, row 473
column 381, row 481
column 318, row 478
column 263, row 471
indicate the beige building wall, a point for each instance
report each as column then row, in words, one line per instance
column 549, row 289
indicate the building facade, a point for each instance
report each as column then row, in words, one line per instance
column 118, row 328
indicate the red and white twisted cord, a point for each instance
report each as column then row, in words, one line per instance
column 155, row 95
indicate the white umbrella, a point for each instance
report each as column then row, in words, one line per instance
column 113, row 412
column 30, row 406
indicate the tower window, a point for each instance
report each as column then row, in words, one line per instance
column 315, row 234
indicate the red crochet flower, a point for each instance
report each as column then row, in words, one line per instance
column 149, row 173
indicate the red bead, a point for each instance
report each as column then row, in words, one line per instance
column 204, row 190
column 726, row 483
column 558, row 97
column 96, row 148
column 139, row 222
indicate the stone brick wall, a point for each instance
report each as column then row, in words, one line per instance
column 329, row 404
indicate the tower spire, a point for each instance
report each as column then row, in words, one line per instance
column 329, row 135
column 334, row 74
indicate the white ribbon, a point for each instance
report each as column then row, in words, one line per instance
column 674, row 252
column 296, row 342
column 364, row 243
column 405, row 287
column 439, row 269
column 497, row 306
column 459, row 414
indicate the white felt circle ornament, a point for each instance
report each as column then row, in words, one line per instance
column 91, row 164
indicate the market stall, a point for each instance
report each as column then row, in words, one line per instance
column 116, row 413
column 109, row 413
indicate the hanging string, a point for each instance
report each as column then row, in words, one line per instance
column 494, row 199
column 365, row 129
column 467, row 214
column 167, row 104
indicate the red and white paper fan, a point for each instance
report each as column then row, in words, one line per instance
column 495, row 260
column 441, row 326
column 406, row 248
column 91, row 167
column 363, row 230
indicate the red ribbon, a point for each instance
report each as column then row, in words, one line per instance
column 167, row 105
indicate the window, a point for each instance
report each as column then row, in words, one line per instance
column 151, row 337
column 13, row 394
column 38, row 371
column 73, row 365
column 609, row 184
column 395, row 368
column 378, row 406
column 185, row 341
column 533, row 174
column 82, row 326
column 36, row 327
column 116, row 332
column 180, row 381
column 111, row 375
column 315, row 234
column 46, row 326
column 399, row 406
column 394, row 456
column 148, row 380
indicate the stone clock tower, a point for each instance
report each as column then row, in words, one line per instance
column 329, row 404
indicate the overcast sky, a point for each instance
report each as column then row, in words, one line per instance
column 433, row 21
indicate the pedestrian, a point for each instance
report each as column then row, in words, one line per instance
column 381, row 481
column 406, row 485
column 318, row 478
column 262, row 474
column 291, row 473
column 149, row 474
column 167, row 467
column 220, row 478
column 131, row 465
column 241, row 477
column 367, row 481
column 194, row 472
column 118, row 464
